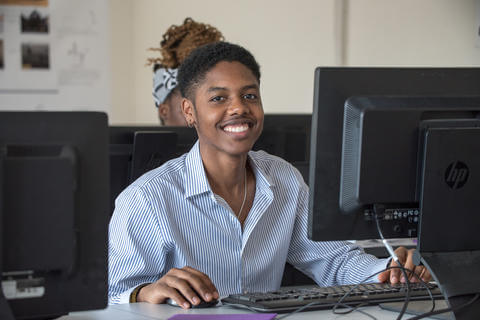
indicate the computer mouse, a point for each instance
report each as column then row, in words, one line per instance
column 202, row 304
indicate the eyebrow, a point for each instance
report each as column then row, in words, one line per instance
column 250, row 86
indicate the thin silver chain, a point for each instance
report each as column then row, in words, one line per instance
column 244, row 196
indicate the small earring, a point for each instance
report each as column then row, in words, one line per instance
column 190, row 124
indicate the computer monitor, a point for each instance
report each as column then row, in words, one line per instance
column 151, row 149
column 132, row 149
column 137, row 149
column 393, row 171
column 287, row 136
column 54, row 212
column 401, row 146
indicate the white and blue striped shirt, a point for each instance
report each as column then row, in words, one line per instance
column 170, row 218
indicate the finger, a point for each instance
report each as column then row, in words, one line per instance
column 202, row 284
column 159, row 291
column 384, row 276
column 177, row 297
column 183, row 287
column 198, row 281
column 424, row 274
column 416, row 274
column 408, row 264
column 395, row 273
column 427, row 276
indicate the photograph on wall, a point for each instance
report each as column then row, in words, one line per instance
column 35, row 56
column 38, row 3
column 1, row 53
column 34, row 22
column 478, row 25
column 56, row 57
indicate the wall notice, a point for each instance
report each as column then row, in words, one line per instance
column 54, row 55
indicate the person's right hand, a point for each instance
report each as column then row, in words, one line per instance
column 179, row 284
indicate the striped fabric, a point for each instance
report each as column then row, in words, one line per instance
column 170, row 218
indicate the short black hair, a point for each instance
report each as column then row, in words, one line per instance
column 193, row 69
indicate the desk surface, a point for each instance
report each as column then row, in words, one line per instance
column 144, row 311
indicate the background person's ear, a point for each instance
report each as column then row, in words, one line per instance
column 163, row 112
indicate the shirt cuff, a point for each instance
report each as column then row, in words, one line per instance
column 125, row 296
column 378, row 266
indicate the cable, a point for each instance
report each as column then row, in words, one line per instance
column 353, row 306
column 296, row 310
column 343, row 305
column 340, row 301
column 379, row 210
column 356, row 308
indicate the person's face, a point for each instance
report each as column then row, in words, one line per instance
column 171, row 110
column 227, row 111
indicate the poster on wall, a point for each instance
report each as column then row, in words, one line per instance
column 54, row 55
column 478, row 24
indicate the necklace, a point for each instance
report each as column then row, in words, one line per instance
column 244, row 196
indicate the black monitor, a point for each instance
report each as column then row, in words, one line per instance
column 54, row 212
column 287, row 136
column 135, row 150
column 150, row 150
column 400, row 146
column 388, row 174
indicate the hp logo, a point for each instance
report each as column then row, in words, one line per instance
column 456, row 175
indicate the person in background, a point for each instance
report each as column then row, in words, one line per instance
column 177, row 43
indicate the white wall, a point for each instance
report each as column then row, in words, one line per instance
column 413, row 33
column 122, row 64
column 289, row 39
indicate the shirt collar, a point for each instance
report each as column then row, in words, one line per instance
column 263, row 179
column 195, row 179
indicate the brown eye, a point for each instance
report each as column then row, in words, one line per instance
column 217, row 99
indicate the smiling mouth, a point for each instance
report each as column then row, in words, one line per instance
column 236, row 128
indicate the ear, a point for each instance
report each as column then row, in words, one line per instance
column 188, row 110
column 163, row 112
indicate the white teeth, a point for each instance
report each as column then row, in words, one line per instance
column 237, row 128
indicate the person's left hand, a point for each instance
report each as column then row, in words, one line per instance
column 406, row 259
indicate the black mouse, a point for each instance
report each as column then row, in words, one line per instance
column 202, row 304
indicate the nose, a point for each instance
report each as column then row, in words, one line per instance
column 238, row 106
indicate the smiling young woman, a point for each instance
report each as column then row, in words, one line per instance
column 227, row 112
column 222, row 219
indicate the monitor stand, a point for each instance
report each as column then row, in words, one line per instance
column 448, row 242
column 457, row 275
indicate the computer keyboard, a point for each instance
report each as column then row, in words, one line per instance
column 291, row 298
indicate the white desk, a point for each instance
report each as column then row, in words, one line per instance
column 144, row 311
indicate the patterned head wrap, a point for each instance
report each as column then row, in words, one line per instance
column 164, row 81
